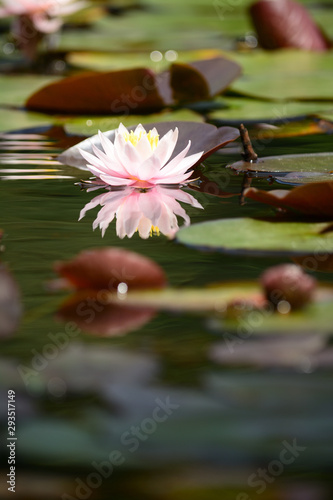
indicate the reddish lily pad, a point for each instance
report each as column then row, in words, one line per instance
column 135, row 91
column 286, row 23
column 124, row 91
column 311, row 199
column 202, row 80
column 105, row 268
column 204, row 137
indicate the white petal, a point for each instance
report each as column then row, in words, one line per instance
column 143, row 148
column 166, row 146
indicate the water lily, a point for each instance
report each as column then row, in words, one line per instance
column 140, row 159
column 152, row 212
column 45, row 15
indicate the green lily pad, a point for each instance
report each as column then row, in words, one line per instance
column 14, row 90
column 214, row 298
column 243, row 108
column 300, row 178
column 259, row 237
column 317, row 166
column 286, row 74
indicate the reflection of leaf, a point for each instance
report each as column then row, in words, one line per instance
column 106, row 268
column 259, row 237
column 90, row 313
column 311, row 199
column 203, row 137
column 10, row 303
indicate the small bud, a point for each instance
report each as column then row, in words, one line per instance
column 289, row 283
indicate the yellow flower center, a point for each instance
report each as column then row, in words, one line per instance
column 134, row 138
column 154, row 230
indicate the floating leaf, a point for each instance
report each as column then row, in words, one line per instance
column 314, row 165
column 204, row 137
column 281, row 115
column 114, row 92
column 106, row 268
column 285, row 75
column 135, row 91
column 286, row 23
column 259, row 237
column 213, row 298
column 202, row 80
column 311, row 199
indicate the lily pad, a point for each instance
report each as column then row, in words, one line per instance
column 112, row 92
column 286, row 74
column 286, row 23
column 259, row 237
column 243, row 109
column 213, row 298
column 135, row 90
column 311, row 199
column 106, row 268
column 312, row 165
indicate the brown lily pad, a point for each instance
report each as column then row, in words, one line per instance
column 202, row 80
column 312, row 199
column 114, row 92
column 135, row 91
column 286, row 23
column 104, row 269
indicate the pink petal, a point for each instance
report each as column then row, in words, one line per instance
column 166, row 146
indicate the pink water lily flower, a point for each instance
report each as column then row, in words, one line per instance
column 140, row 159
column 45, row 15
column 150, row 212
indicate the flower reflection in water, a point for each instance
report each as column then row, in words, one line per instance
column 152, row 211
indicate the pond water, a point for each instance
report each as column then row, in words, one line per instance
column 152, row 405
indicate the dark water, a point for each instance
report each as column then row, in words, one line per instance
column 91, row 396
